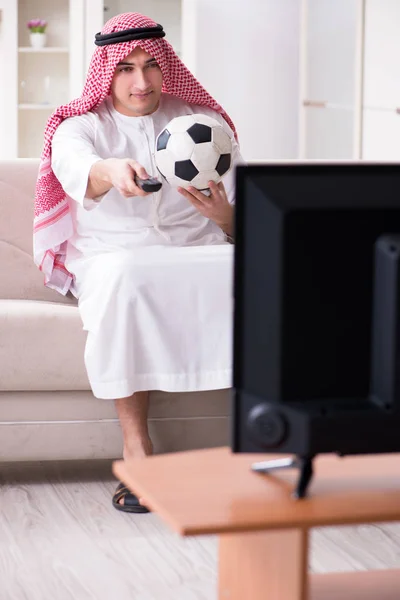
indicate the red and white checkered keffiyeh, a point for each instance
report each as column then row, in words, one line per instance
column 52, row 222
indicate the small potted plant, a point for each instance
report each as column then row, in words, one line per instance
column 37, row 31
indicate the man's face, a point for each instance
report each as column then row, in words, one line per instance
column 136, row 85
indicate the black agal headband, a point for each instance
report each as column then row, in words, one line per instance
column 126, row 35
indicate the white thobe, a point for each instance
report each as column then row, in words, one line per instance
column 153, row 277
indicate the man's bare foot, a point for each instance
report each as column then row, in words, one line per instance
column 138, row 450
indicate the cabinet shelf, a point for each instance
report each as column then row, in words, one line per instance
column 45, row 50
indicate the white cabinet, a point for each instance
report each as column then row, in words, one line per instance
column 330, row 67
column 37, row 80
column 381, row 114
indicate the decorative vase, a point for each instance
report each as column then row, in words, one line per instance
column 38, row 40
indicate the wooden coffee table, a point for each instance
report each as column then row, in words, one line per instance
column 263, row 531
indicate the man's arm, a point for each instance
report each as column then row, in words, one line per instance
column 83, row 174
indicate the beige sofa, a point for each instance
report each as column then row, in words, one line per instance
column 47, row 411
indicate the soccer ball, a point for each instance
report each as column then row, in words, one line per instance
column 193, row 150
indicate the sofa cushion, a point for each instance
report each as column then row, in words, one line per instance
column 20, row 278
column 41, row 346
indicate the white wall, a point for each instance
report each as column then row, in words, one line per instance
column 246, row 54
column 166, row 12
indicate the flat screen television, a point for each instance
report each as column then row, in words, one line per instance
column 316, row 311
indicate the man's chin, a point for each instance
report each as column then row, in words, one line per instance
column 141, row 108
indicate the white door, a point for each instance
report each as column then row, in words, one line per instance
column 381, row 103
column 331, row 79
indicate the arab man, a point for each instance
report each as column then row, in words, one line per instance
column 152, row 272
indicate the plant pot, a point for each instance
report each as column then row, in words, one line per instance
column 38, row 40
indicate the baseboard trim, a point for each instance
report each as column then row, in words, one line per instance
column 101, row 439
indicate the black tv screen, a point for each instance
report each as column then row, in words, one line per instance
column 304, row 286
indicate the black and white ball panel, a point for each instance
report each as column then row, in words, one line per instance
column 162, row 140
column 200, row 133
column 223, row 164
column 185, row 169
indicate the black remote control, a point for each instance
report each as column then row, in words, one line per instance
column 148, row 185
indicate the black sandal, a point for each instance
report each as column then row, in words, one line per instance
column 131, row 503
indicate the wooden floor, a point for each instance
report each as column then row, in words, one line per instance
column 61, row 539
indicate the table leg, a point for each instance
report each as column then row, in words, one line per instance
column 264, row 564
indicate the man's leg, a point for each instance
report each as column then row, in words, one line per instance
column 132, row 413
